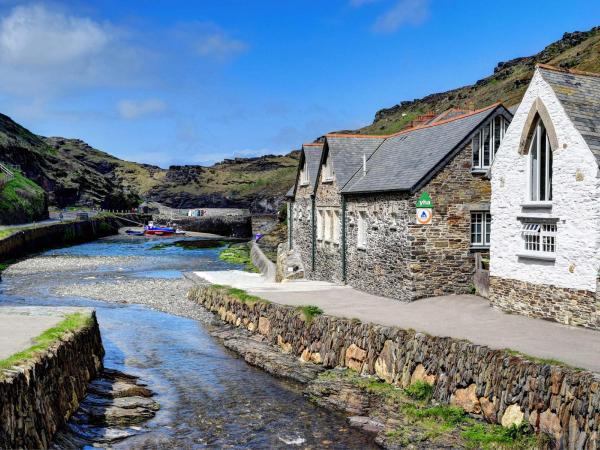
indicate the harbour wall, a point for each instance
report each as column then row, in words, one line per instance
column 494, row 385
column 41, row 395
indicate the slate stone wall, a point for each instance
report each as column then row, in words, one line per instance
column 38, row 399
column 328, row 259
column 407, row 261
column 490, row 384
column 568, row 306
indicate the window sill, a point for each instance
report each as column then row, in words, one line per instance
column 304, row 184
column 539, row 205
column 538, row 217
column 539, row 256
column 327, row 180
column 480, row 170
column 362, row 247
column 477, row 248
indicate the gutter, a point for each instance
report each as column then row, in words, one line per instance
column 313, row 229
column 343, row 246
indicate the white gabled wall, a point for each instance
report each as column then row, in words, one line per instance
column 575, row 203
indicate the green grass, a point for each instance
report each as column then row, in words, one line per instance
column 72, row 322
column 496, row 436
column 419, row 390
column 239, row 254
column 22, row 198
column 543, row 361
column 309, row 312
column 239, row 294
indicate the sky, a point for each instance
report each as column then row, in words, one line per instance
column 174, row 82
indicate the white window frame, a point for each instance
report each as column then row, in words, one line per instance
column 328, row 225
column 478, row 162
column 327, row 171
column 361, row 229
column 539, row 238
column 536, row 166
column 304, row 179
column 484, row 218
column 336, row 226
column 320, row 224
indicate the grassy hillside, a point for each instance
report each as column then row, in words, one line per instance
column 21, row 201
column 579, row 50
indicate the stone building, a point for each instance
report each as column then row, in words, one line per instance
column 356, row 221
column 546, row 202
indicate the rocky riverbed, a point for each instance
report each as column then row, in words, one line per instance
column 208, row 396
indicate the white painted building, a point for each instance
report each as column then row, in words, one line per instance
column 545, row 203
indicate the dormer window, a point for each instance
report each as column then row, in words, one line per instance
column 304, row 175
column 486, row 142
column 327, row 171
column 540, row 165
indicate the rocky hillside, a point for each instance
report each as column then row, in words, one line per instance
column 579, row 50
column 74, row 173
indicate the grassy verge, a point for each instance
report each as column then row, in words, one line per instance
column 239, row 294
column 72, row 322
column 239, row 254
column 23, row 199
column 419, row 419
column 542, row 361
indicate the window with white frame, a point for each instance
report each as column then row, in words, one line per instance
column 480, row 229
column 361, row 229
column 327, row 171
column 336, row 226
column 329, row 225
column 304, row 175
column 539, row 237
column 486, row 142
column 540, row 165
column 320, row 224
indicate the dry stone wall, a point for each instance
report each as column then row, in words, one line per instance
column 491, row 384
column 39, row 398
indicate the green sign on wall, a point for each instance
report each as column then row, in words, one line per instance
column 424, row 201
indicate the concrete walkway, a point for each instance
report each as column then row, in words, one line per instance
column 458, row 316
column 20, row 325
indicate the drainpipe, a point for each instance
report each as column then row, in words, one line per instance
column 343, row 246
column 313, row 229
column 290, row 220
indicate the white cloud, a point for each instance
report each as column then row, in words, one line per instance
column 44, row 51
column 219, row 46
column 132, row 109
column 33, row 36
column 404, row 12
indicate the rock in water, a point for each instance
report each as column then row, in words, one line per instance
column 114, row 403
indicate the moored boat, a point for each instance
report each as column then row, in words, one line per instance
column 154, row 230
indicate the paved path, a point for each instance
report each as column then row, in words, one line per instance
column 20, row 325
column 459, row 316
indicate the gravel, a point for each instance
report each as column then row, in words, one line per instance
column 169, row 296
column 64, row 263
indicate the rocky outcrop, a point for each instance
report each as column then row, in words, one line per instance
column 38, row 397
column 490, row 384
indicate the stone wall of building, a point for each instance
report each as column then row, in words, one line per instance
column 407, row 261
column 568, row 306
column 382, row 267
column 328, row 255
column 492, row 384
column 40, row 397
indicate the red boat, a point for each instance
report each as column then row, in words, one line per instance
column 153, row 230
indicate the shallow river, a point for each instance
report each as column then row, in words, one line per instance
column 208, row 396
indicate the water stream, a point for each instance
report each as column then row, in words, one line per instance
column 209, row 397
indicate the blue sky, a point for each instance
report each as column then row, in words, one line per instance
column 167, row 82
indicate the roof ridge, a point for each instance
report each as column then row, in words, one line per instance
column 565, row 70
column 430, row 125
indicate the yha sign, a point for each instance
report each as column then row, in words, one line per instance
column 424, row 209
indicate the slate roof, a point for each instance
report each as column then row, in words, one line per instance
column 312, row 153
column 347, row 153
column 579, row 94
column 407, row 158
